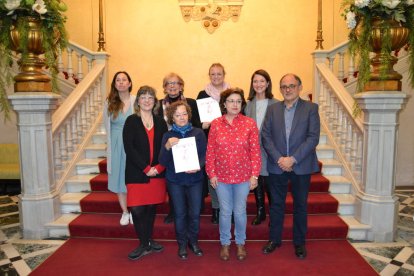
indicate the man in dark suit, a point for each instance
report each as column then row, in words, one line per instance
column 290, row 134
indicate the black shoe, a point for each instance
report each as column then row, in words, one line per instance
column 300, row 251
column 155, row 246
column 182, row 252
column 196, row 249
column 169, row 218
column 139, row 252
column 270, row 247
column 215, row 216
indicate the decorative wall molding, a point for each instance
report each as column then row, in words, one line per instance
column 210, row 12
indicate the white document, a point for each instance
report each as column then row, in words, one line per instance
column 185, row 155
column 208, row 109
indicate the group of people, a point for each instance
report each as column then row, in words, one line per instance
column 257, row 145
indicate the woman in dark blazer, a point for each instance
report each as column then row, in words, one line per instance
column 185, row 188
column 144, row 176
column 173, row 86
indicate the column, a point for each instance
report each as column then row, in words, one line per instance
column 376, row 203
column 39, row 201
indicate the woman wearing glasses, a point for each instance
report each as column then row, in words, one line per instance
column 118, row 106
column 185, row 188
column 233, row 166
column 260, row 97
column 213, row 89
column 173, row 86
column 144, row 175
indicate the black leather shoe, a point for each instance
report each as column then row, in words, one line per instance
column 155, row 246
column 270, row 247
column 139, row 252
column 196, row 249
column 300, row 251
column 182, row 252
column 169, row 218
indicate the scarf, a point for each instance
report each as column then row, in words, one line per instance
column 182, row 130
column 214, row 92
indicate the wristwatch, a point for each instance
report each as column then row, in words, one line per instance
column 255, row 177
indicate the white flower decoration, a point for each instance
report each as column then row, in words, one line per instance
column 39, row 7
column 350, row 20
column 11, row 5
column 362, row 3
column 390, row 3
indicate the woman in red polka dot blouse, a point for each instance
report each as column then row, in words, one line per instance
column 233, row 165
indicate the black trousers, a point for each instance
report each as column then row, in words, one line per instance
column 278, row 188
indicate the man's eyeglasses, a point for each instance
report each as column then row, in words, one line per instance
column 291, row 87
column 172, row 82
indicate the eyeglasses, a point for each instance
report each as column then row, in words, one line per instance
column 291, row 87
column 143, row 98
column 181, row 115
column 238, row 102
column 172, row 83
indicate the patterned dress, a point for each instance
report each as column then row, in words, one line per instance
column 116, row 179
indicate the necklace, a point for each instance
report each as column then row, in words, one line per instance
column 147, row 122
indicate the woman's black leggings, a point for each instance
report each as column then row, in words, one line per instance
column 144, row 217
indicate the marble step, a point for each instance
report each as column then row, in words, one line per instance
column 99, row 138
column 346, row 204
column 79, row 183
column 325, row 151
column 323, row 138
column 331, row 167
column 339, row 184
column 356, row 230
column 95, row 151
column 60, row 227
column 88, row 166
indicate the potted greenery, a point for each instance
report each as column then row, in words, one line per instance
column 379, row 26
column 34, row 29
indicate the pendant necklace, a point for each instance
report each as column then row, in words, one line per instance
column 147, row 123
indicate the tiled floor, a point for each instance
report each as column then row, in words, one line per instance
column 20, row 257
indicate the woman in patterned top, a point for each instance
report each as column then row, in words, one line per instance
column 233, row 166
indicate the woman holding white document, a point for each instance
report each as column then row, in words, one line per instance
column 184, row 177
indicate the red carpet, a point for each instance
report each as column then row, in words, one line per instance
column 109, row 257
column 85, row 254
column 101, row 214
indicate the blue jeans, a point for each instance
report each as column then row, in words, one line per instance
column 232, row 199
column 186, row 198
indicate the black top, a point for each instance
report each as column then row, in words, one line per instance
column 202, row 95
column 137, row 148
column 195, row 117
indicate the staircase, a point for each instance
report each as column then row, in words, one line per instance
column 92, row 211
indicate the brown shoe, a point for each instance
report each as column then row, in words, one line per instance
column 225, row 252
column 241, row 252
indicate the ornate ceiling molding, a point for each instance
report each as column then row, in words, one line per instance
column 210, row 12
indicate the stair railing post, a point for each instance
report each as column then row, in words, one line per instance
column 39, row 201
column 376, row 203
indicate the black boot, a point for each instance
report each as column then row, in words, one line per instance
column 215, row 216
column 259, row 195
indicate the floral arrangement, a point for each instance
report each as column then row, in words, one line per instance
column 359, row 14
column 15, row 14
